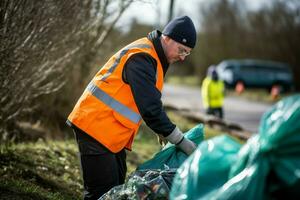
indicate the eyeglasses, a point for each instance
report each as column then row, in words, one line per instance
column 183, row 52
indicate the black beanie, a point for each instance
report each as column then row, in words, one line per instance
column 182, row 30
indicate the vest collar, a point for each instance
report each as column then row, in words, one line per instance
column 154, row 37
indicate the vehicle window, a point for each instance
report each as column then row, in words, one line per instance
column 229, row 67
column 267, row 69
column 270, row 69
column 248, row 68
column 282, row 70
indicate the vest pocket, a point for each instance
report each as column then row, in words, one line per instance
column 124, row 121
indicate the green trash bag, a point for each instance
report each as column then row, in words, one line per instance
column 206, row 170
column 170, row 156
column 268, row 165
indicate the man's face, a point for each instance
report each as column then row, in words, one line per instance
column 176, row 51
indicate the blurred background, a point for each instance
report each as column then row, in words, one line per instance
column 50, row 50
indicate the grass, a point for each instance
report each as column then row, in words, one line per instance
column 192, row 81
column 50, row 169
column 40, row 170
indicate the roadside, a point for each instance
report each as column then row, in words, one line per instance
column 50, row 169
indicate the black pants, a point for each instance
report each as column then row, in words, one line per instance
column 101, row 169
column 218, row 112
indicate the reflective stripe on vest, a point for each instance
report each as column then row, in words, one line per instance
column 117, row 61
column 114, row 104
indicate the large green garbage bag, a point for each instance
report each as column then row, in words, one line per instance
column 268, row 165
column 206, row 170
column 170, row 156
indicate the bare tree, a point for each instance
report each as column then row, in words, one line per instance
column 276, row 30
column 220, row 29
column 38, row 39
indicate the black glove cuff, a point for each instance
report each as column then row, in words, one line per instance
column 180, row 141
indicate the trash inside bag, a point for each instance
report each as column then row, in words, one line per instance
column 206, row 170
column 143, row 184
column 267, row 167
column 170, row 156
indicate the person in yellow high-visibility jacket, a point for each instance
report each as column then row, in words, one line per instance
column 212, row 92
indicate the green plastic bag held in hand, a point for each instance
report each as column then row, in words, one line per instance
column 268, row 165
column 170, row 156
column 206, row 170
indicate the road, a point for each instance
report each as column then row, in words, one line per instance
column 236, row 110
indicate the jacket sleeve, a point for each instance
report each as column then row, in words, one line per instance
column 140, row 73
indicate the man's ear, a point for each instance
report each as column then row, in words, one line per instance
column 168, row 38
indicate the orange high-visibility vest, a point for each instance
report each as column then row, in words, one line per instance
column 107, row 110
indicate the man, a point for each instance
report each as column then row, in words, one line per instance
column 126, row 90
column 213, row 93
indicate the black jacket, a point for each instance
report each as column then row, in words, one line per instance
column 140, row 73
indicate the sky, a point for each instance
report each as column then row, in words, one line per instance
column 155, row 12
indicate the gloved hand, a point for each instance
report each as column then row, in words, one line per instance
column 177, row 138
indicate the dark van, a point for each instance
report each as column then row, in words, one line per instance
column 256, row 73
